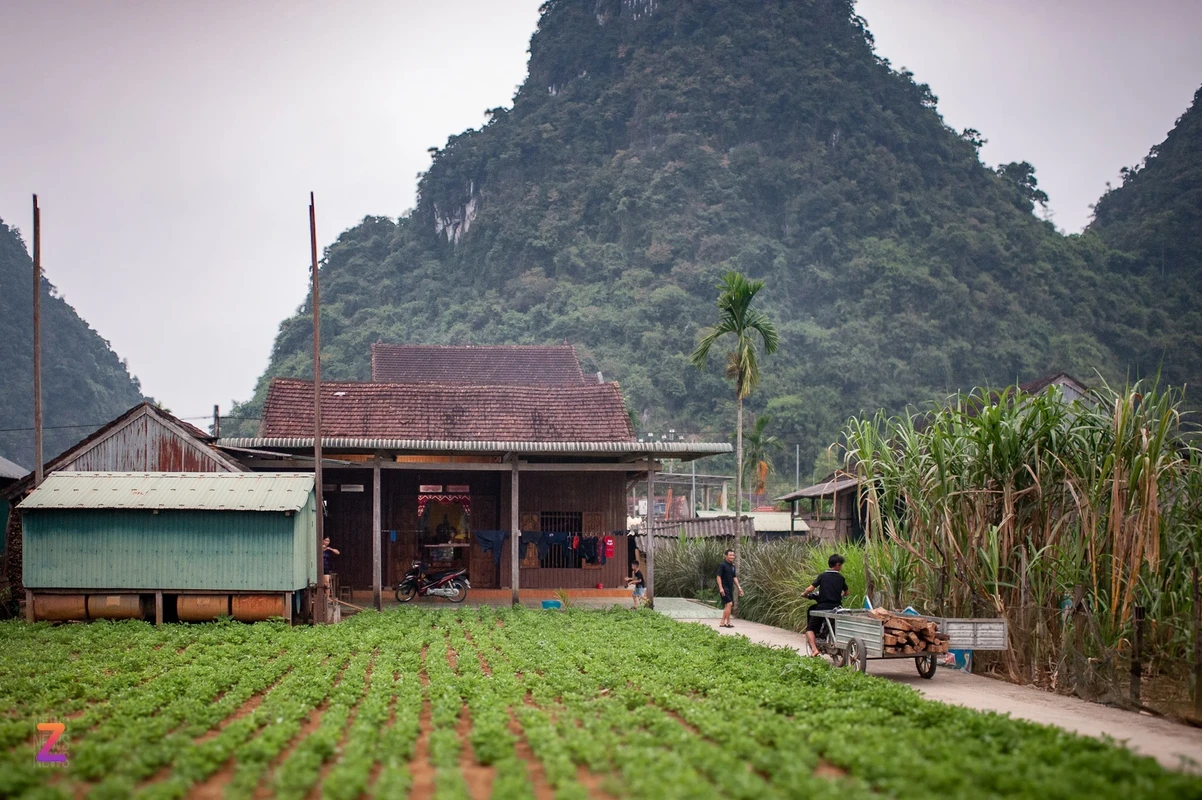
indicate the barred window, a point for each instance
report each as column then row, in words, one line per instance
column 560, row 522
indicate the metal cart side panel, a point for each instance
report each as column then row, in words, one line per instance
column 975, row 634
column 860, row 626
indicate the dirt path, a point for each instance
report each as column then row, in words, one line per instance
column 1175, row 746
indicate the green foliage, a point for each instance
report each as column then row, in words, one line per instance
column 1148, row 235
column 84, row 383
column 648, row 154
column 647, row 706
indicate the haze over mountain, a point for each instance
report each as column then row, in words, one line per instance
column 83, row 381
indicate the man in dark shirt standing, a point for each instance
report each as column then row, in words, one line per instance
column 831, row 588
column 728, row 582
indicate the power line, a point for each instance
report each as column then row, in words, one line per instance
column 102, row 424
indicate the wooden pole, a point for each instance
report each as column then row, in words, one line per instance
column 376, row 576
column 38, row 459
column 515, row 533
column 648, row 528
column 158, row 608
column 1197, row 646
column 693, row 492
column 1137, row 646
column 319, row 598
column 217, row 421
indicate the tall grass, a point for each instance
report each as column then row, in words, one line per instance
column 1006, row 504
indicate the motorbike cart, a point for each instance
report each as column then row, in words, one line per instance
column 853, row 638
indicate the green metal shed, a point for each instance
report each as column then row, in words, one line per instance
column 171, row 531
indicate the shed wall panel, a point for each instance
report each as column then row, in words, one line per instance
column 237, row 551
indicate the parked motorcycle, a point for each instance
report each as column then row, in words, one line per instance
column 451, row 584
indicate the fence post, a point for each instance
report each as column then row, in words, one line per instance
column 1024, row 614
column 1197, row 646
column 1079, row 638
column 1137, row 645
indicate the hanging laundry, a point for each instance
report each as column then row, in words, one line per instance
column 610, row 545
column 539, row 540
column 588, row 549
column 493, row 542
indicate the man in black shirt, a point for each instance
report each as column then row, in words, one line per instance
column 728, row 582
column 831, row 588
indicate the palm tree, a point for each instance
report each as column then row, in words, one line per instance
column 757, row 456
column 736, row 317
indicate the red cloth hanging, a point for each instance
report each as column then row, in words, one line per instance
column 610, row 546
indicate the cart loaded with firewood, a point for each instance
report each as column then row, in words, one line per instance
column 854, row 637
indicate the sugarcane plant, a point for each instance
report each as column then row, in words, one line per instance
column 1009, row 504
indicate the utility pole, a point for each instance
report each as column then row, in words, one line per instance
column 37, row 344
column 216, row 422
column 319, row 596
column 649, row 530
column 797, row 479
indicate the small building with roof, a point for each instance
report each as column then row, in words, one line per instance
column 831, row 509
column 144, row 439
column 168, row 545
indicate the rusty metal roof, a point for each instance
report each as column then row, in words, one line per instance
column 834, row 485
column 191, row 491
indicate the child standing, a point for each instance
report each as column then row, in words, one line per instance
column 640, row 585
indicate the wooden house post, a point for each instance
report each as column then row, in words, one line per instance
column 376, row 577
column 515, row 533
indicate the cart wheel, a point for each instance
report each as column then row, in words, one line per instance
column 856, row 655
column 926, row 666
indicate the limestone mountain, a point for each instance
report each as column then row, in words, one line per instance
column 84, row 383
column 656, row 144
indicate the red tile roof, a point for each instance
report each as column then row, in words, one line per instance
column 488, row 365
column 426, row 411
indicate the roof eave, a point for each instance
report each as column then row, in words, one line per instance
column 679, row 450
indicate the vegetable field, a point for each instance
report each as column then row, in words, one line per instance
column 513, row 704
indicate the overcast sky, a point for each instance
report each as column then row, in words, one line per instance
column 173, row 145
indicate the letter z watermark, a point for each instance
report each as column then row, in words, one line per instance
column 46, row 754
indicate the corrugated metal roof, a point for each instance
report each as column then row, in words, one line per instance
column 209, row 491
column 836, row 485
column 11, row 471
column 674, row 449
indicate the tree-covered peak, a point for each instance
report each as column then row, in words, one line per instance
column 653, row 147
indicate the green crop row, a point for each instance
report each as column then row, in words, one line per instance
column 631, row 703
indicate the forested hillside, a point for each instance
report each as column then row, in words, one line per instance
column 1152, row 228
column 83, row 380
column 656, row 144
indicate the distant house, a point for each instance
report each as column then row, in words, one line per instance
column 1071, row 388
column 771, row 524
column 831, row 508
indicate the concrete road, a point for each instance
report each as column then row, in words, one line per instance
column 1174, row 745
